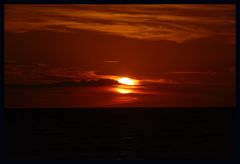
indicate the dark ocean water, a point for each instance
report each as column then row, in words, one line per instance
column 143, row 133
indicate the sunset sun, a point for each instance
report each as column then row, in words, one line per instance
column 127, row 81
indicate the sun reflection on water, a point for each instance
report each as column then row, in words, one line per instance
column 123, row 90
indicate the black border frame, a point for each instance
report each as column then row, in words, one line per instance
column 2, row 2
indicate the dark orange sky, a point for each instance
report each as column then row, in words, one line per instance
column 182, row 43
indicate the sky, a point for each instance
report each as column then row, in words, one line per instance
column 162, row 43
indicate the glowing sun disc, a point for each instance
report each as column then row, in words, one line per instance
column 126, row 81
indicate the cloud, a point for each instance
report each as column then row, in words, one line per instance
column 111, row 61
column 159, row 81
column 81, row 83
column 192, row 73
column 33, row 73
column 176, row 23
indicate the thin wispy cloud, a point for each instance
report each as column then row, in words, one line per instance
column 25, row 73
column 191, row 73
column 159, row 81
column 176, row 23
column 111, row 61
